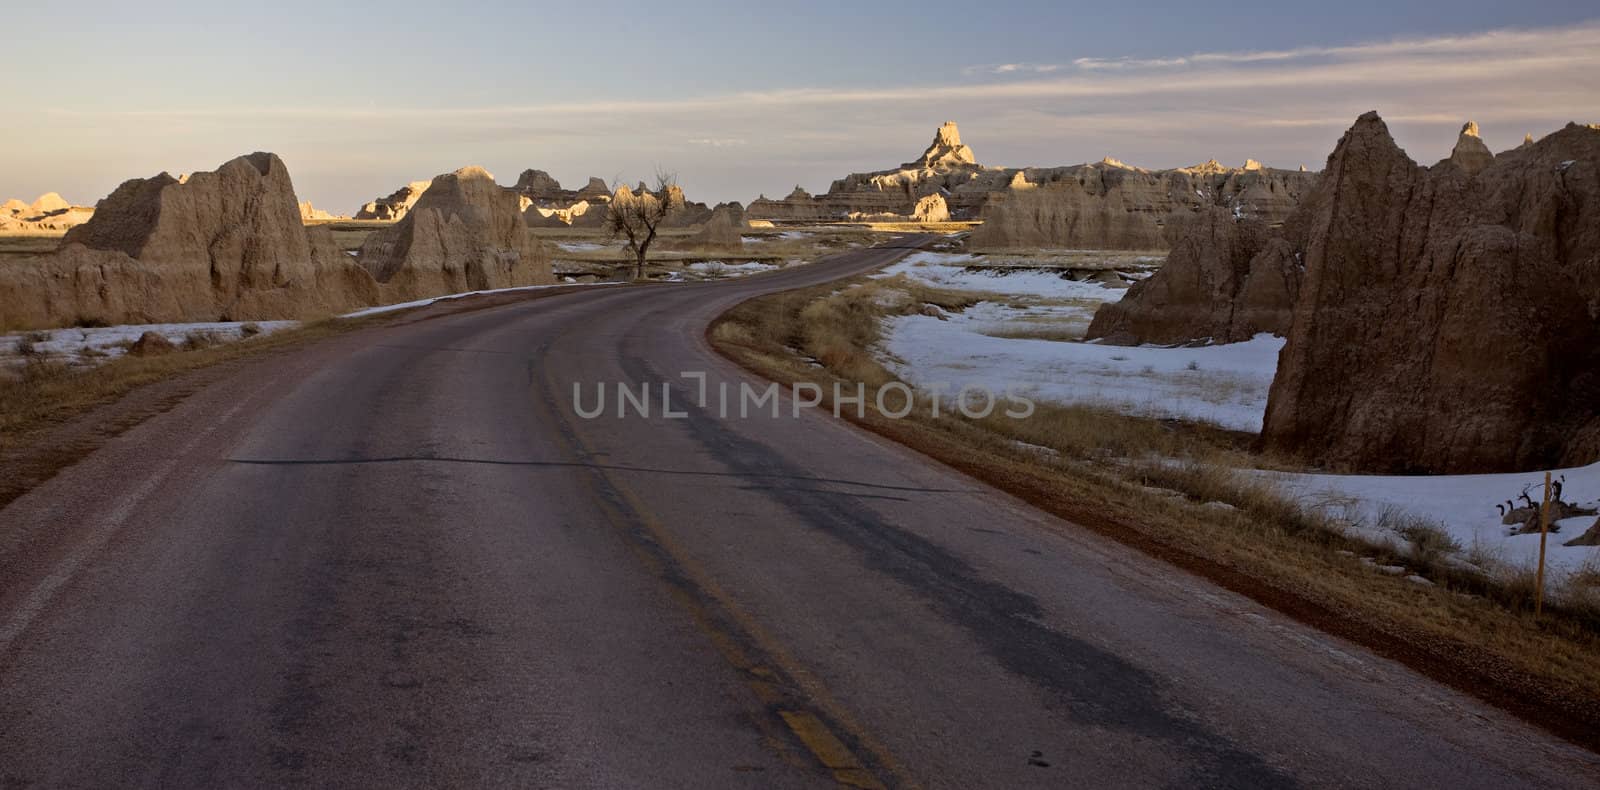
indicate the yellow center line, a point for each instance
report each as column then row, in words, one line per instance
column 768, row 685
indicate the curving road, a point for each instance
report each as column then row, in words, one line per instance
column 401, row 558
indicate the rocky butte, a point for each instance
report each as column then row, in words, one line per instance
column 1226, row 279
column 1447, row 319
column 723, row 232
column 465, row 233
column 223, row 245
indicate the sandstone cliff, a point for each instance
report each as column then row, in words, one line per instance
column 218, row 245
column 1447, row 319
column 466, row 233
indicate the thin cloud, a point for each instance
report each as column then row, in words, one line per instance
column 1568, row 55
column 1013, row 68
column 1280, row 106
column 1476, row 44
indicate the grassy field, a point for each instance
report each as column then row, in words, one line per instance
column 350, row 233
column 1169, row 489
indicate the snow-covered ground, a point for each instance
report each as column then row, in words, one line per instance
column 947, row 270
column 389, row 308
column 724, row 269
column 581, row 246
column 102, row 344
column 1226, row 385
column 1464, row 505
column 987, row 345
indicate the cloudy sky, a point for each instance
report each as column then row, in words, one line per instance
column 740, row 100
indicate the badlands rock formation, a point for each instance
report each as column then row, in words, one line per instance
column 49, row 203
column 722, row 232
column 1106, row 204
column 546, row 192
column 49, row 215
column 310, row 213
column 466, row 233
column 222, row 245
column 394, row 207
column 1110, row 205
column 1226, row 280
column 537, row 184
column 946, row 151
column 582, row 214
column 1095, row 214
column 1470, row 153
column 931, row 209
column 1447, row 318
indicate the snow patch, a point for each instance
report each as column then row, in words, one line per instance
column 102, row 344
column 389, row 308
column 1463, row 505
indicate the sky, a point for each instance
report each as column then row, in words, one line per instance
column 740, row 100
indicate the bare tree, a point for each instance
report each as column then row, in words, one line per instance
column 637, row 215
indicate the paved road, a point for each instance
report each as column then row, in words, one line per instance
column 401, row 558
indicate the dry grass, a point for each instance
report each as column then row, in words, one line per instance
column 1106, row 473
column 350, row 234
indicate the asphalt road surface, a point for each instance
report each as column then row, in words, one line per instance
column 401, row 558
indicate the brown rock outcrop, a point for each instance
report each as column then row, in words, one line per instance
column 945, row 152
column 582, row 214
column 1470, row 153
column 466, row 233
column 595, row 190
column 48, row 203
column 310, row 213
column 538, row 184
column 1447, row 320
column 722, row 232
column 1110, row 205
column 394, row 207
column 1095, row 214
column 546, row 192
column 1226, row 280
column 218, row 245
column 151, row 344
column 49, row 215
column 931, row 209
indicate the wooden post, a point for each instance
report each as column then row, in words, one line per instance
column 1544, row 532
